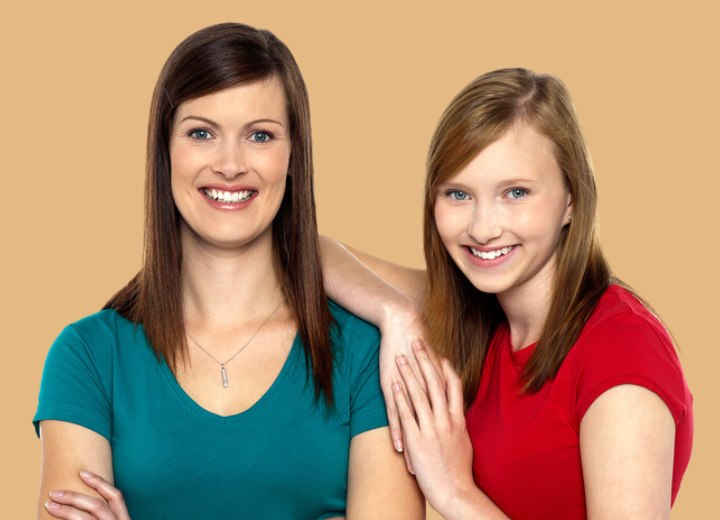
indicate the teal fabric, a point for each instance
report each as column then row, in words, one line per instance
column 285, row 457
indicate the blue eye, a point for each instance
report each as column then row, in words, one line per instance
column 517, row 193
column 458, row 195
column 261, row 137
column 199, row 134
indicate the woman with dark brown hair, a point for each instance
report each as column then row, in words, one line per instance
column 220, row 382
column 570, row 401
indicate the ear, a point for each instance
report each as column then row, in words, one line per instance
column 568, row 210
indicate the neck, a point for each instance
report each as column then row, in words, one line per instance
column 220, row 285
column 527, row 306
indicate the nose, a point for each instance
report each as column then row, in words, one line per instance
column 486, row 223
column 229, row 160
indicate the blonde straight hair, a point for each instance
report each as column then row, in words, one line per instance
column 461, row 318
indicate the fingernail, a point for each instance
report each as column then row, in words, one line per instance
column 85, row 473
column 56, row 494
column 52, row 505
column 401, row 359
column 398, row 445
column 396, row 386
column 418, row 344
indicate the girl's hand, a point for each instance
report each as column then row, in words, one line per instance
column 433, row 423
column 77, row 506
column 400, row 327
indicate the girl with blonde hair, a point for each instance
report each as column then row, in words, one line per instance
column 562, row 395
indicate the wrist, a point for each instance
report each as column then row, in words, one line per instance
column 398, row 311
column 468, row 503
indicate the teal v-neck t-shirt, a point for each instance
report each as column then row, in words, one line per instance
column 285, row 457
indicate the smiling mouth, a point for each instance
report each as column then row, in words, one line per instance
column 491, row 255
column 228, row 196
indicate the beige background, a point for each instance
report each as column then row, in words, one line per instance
column 75, row 92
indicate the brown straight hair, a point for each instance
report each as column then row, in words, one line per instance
column 461, row 318
column 213, row 59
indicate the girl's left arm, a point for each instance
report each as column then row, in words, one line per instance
column 627, row 442
column 379, row 486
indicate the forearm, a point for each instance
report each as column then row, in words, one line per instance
column 358, row 288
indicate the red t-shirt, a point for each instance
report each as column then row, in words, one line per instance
column 527, row 446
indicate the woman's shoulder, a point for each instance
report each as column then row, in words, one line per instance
column 356, row 343
column 621, row 311
column 97, row 336
column 103, row 327
column 625, row 343
column 349, row 327
column 623, row 338
column 101, row 322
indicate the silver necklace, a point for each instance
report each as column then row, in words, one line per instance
column 223, row 372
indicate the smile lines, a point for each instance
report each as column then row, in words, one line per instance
column 491, row 255
column 227, row 196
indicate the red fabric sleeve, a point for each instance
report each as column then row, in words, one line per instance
column 629, row 347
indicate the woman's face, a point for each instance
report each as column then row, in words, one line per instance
column 500, row 218
column 229, row 155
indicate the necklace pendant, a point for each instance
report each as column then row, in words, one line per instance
column 223, row 374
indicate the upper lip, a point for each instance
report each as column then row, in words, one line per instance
column 488, row 249
column 226, row 187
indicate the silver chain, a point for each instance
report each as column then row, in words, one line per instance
column 223, row 372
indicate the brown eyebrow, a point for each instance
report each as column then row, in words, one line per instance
column 247, row 125
column 518, row 180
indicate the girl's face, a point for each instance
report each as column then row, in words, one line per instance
column 500, row 218
column 229, row 155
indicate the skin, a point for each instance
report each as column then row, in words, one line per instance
column 512, row 194
column 234, row 139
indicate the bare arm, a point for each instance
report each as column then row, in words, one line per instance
column 627, row 441
column 378, row 485
column 366, row 285
column 382, row 293
column 66, row 450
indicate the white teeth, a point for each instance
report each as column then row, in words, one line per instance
column 227, row 196
column 491, row 255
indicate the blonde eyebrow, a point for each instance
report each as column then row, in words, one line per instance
column 519, row 180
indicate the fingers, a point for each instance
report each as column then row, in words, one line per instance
column 433, row 359
column 416, row 397
column 454, row 390
column 66, row 512
column 393, row 419
column 407, row 419
column 113, row 495
column 76, row 506
column 415, row 367
column 432, row 373
column 408, row 462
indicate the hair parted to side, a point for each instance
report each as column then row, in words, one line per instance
column 463, row 319
column 212, row 59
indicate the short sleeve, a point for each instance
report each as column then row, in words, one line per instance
column 367, row 404
column 630, row 348
column 75, row 384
